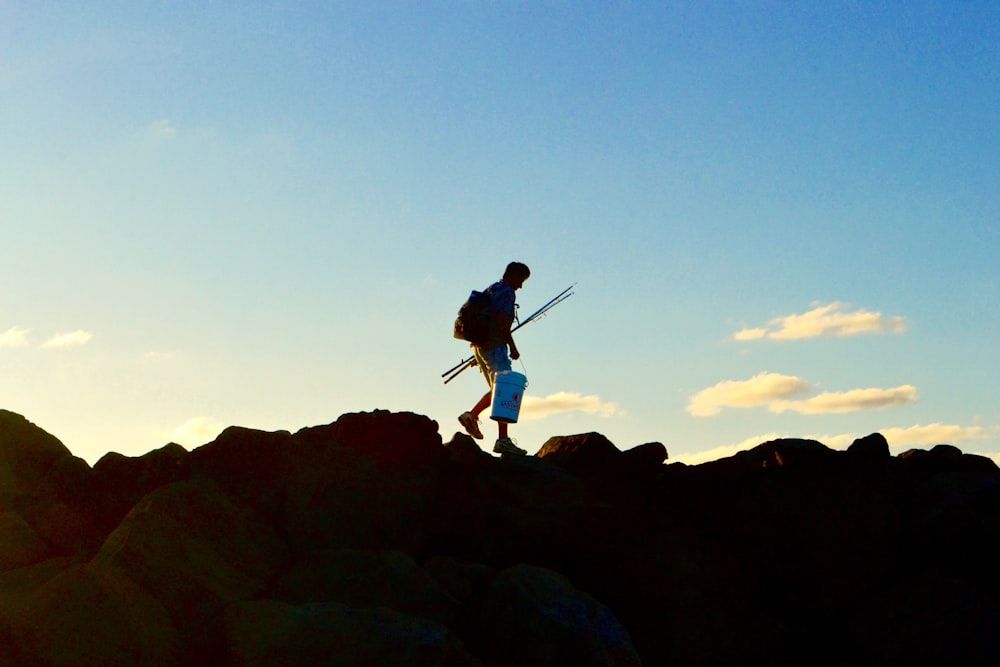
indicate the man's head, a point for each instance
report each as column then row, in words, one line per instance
column 515, row 274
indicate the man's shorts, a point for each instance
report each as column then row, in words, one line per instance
column 492, row 361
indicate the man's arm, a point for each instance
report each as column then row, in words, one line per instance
column 503, row 326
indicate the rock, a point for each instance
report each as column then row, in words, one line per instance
column 365, row 579
column 645, row 458
column 276, row 548
column 535, row 617
column 946, row 458
column 67, row 528
column 465, row 581
column 195, row 550
column 341, row 498
column 27, row 453
column 93, row 615
column 269, row 633
column 388, row 438
column 251, row 465
column 872, row 447
column 589, row 455
column 21, row 544
column 463, row 449
column 928, row 619
column 121, row 481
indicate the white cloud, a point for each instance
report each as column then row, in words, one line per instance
column 829, row 320
column 14, row 337
column 535, row 408
column 761, row 389
column 197, row 431
column 750, row 334
column 163, row 129
column 70, row 339
column 850, row 401
column 934, row 434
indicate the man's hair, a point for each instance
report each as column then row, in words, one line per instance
column 517, row 269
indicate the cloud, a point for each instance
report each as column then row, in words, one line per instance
column 163, row 129
column 934, row 434
column 750, row 334
column 197, row 431
column 70, row 339
column 535, row 408
column 829, row 320
column 761, row 389
column 776, row 392
column 14, row 337
column 849, row 401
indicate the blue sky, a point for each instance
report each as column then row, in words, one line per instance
column 782, row 218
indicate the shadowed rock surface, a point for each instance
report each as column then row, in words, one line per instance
column 370, row 541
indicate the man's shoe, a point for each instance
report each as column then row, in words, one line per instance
column 507, row 446
column 470, row 424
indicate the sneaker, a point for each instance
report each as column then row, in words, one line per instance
column 507, row 446
column 470, row 424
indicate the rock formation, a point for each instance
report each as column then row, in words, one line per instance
column 370, row 541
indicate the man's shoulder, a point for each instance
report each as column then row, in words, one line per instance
column 500, row 291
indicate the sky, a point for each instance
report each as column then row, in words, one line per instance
column 781, row 219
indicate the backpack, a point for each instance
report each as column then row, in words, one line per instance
column 475, row 318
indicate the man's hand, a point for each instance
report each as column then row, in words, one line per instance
column 514, row 354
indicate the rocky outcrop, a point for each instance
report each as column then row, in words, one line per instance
column 370, row 541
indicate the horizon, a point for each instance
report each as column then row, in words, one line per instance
column 781, row 219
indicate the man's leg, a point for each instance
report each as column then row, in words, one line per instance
column 483, row 403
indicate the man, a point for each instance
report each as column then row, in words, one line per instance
column 492, row 355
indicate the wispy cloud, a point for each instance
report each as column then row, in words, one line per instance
column 14, row 337
column 163, row 129
column 935, row 434
column 71, row 339
column 777, row 392
column 830, row 320
column 535, row 408
column 197, row 431
column 761, row 389
column 850, row 401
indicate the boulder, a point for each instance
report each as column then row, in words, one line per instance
column 89, row 614
column 534, row 617
column 463, row 449
column 270, row 633
column 21, row 544
column 588, row 455
column 251, row 465
column 872, row 447
column 27, row 453
column 927, row 619
column 646, row 458
column 365, row 579
column 389, row 438
column 946, row 458
column 121, row 481
column 195, row 550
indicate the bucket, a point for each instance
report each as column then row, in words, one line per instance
column 508, row 389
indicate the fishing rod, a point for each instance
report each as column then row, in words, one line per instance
column 461, row 366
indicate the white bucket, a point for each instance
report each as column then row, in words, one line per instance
column 508, row 389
